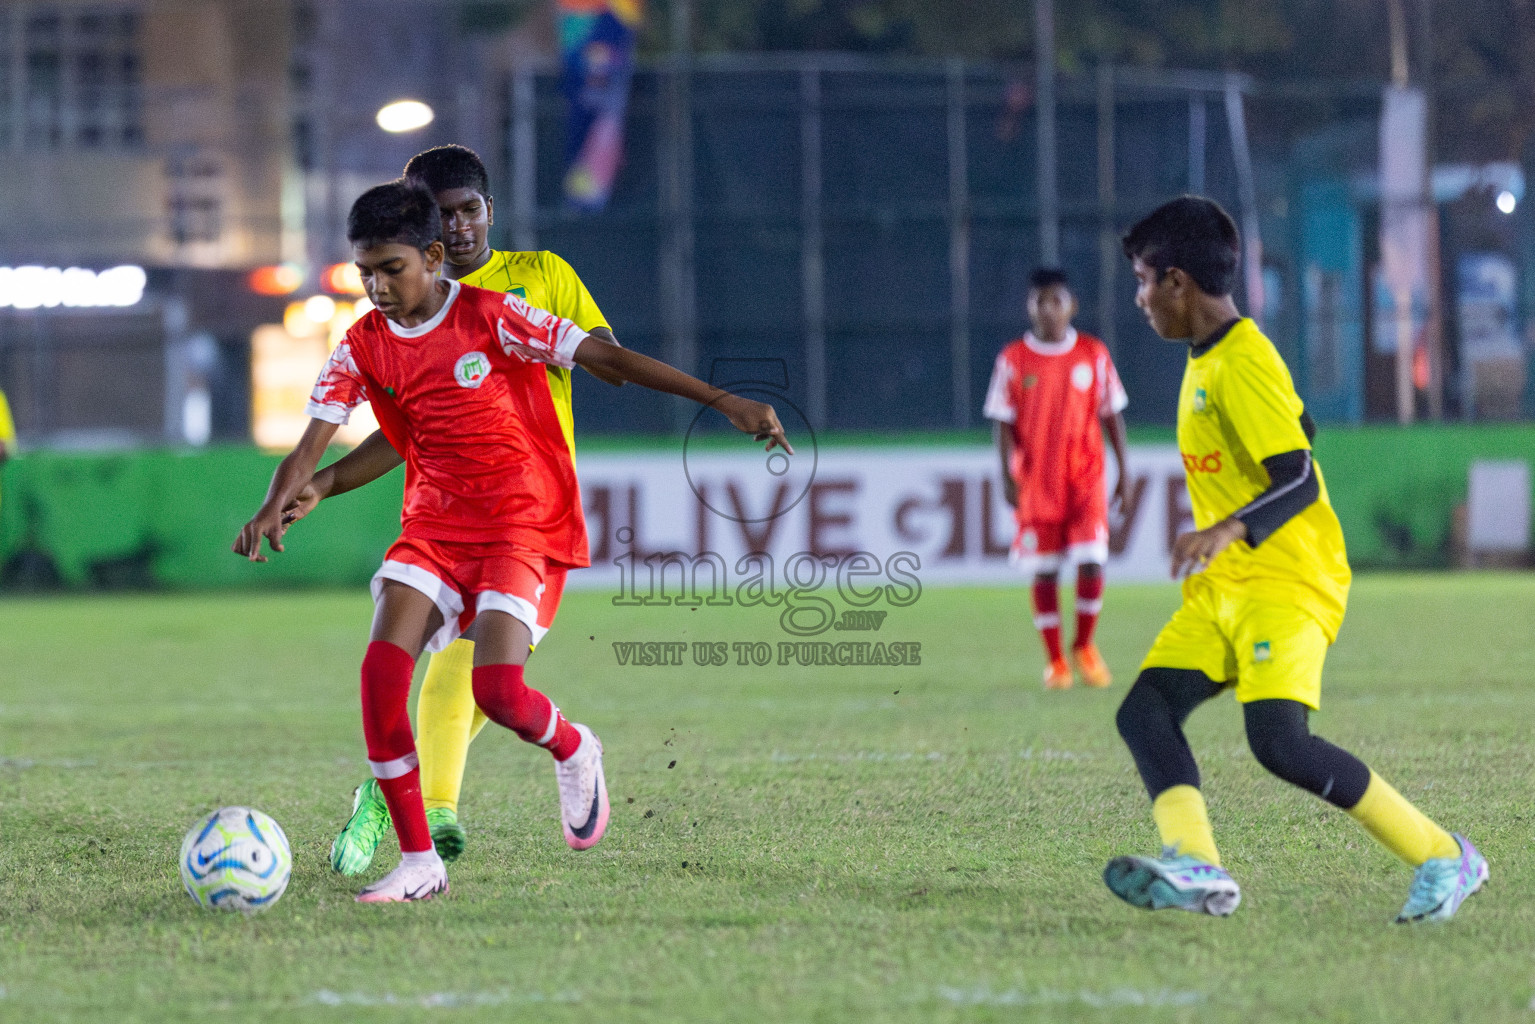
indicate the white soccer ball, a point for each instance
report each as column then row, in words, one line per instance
column 236, row 859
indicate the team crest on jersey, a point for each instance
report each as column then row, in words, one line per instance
column 1199, row 400
column 471, row 369
column 1031, row 380
column 1082, row 376
column 1262, row 651
column 519, row 291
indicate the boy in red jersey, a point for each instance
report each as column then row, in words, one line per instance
column 492, row 515
column 1053, row 395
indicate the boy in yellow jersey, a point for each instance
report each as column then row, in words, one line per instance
column 7, row 430
column 446, row 715
column 1267, row 583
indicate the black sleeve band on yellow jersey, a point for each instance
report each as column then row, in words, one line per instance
column 1293, row 486
column 1307, row 426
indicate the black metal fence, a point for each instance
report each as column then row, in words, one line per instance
column 872, row 224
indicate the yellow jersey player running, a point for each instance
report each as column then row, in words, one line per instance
column 446, row 715
column 7, row 431
column 1264, row 597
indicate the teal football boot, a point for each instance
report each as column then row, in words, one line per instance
column 1441, row 885
column 1172, row 881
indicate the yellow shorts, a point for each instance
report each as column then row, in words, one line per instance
column 1270, row 651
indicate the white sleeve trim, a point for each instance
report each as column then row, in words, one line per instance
column 1115, row 400
column 997, row 406
column 567, row 340
column 329, row 413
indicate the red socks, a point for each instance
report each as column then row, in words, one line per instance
column 1047, row 615
column 1047, row 609
column 1089, row 602
column 386, row 672
column 507, row 700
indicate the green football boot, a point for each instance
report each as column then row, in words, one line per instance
column 353, row 849
column 447, row 834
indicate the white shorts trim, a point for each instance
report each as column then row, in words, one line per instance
column 1032, row 563
column 445, row 597
column 1095, row 551
column 519, row 608
column 394, row 769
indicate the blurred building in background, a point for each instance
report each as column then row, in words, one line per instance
column 871, row 221
column 204, row 141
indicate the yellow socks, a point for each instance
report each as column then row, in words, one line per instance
column 447, row 720
column 1399, row 826
column 1385, row 814
column 1185, row 826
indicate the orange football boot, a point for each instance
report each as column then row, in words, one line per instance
column 1058, row 675
column 1090, row 663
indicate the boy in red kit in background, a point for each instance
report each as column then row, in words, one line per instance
column 1054, row 394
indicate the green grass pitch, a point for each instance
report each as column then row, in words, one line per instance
column 787, row 844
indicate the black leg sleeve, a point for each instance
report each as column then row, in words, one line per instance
column 1281, row 740
column 1151, row 723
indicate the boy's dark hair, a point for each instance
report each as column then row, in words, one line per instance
column 398, row 211
column 443, row 167
column 1044, row 277
column 1193, row 234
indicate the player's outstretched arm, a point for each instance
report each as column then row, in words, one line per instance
column 532, row 333
column 755, row 418
column 293, row 472
column 362, row 465
column 604, row 334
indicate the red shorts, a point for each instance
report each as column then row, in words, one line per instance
column 464, row 579
column 1082, row 537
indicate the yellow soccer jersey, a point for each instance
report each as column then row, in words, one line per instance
column 1237, row 407
column 7, row 426
column 548, row 282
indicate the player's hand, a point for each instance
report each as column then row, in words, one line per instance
column 311, row 494
column 302, row 504
column 266, row 523
column 1192, row 552
column 755, row 418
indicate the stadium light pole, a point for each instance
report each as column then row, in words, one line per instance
column 678, row 271
column 1044, row 123
column 1435, row 327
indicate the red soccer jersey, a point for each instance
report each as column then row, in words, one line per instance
column 464, row 397
column 1053, row 395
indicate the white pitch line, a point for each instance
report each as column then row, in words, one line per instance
column 439, row 1000
column 1045, row 997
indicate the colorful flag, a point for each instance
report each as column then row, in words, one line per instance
column 597, row 42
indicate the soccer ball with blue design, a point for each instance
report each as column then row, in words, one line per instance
column 236, row 859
